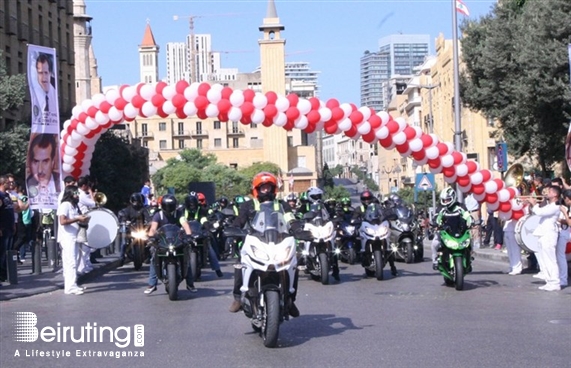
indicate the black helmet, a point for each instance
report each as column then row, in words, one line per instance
column 137, row 200
column 168, row 204
column 191, row 202
column 367, row 198
column 223, row 201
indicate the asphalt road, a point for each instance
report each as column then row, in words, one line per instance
column 412, row 320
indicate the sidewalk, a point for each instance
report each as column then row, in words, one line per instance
column 48, row 281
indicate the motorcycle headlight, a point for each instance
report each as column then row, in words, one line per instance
column 350, row 229
column 369, row 231
column 260, row 254
column 216, row 225
column 383, row 231
column 282, row 255
column 139, row 234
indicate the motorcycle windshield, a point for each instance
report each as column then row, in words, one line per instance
column 373, row 214
column 321, row 214
column 454, row 225
column 195, row 228
column 269, row 223
column 404, row 214
column 169, row 235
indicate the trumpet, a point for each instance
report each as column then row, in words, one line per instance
column 100, row 199
column 525, row 198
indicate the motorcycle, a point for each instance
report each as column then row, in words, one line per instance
column 319, row 255
column 374, row 233
column 171, row 249
column 198, row 248
column 269, row 261
column 405, row 232
column 227, row 246
column 346, row 240
column 134, row 236
column 454, row 253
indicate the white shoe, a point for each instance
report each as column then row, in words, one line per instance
column 539, row 276
column 74, row 292
column 514, row 272
column 550, row 287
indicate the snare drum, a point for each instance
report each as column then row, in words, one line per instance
column 103, row 228
column 524, row 229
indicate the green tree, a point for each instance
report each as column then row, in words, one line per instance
column 12, row 88
column 336, row 171
column 336, row 192
column 517, row 71
column 250, row 171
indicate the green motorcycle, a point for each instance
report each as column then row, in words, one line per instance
column 454, row 254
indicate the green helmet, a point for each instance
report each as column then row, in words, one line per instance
column 303, row 198
column 238, row 200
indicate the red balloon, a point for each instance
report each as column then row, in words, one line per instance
column 516, row 215
column 512, row 192
column 337, row 113
column 369, row 137
column 270, row 111
column 486, row 175
column 330, row 127
column 249, row 95
column 76, row 173
column 158, row 100
column 313, row 117
column 161, row 112
column 120, row 103
column 226, row 93
column 442, row 149
column 409, row 132
column 181, row 86
column 434, row 163
column 104, row 107
column 500, row 184
column 272, row 97
column 310, row 128
column 82, row 147
column 138, row 101
column 289, row 126
column 356, row 117
column 292, row 113
column 491, row 198
column 386, row 142
column 457, row 157
column 80, row 155
column 200, row 113
column 222, row 116
column 200, row 102
column 375, row 121
column 160, row 86
column 179, row 100
column 419, row 155
column 471, row 166
column 224, row 106
column 247, row 108
column 267, row 122
column 351, row 132
column 203, row 89
column 353, row 107
column 426, row 140
column 402, row 148
column 463, row 180
column 315, row 104
column 449, row 171
column 246, row 119
column 505, row 206
column 293, row 99
column 392, row 126
column 331, row 103
column 478, row 188
column 82, row 117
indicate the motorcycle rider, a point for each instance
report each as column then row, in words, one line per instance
column 168, row 214
column 291, row 199
column 264, row 187
column 449, row 206
column 368, row 198
column 238, row 200
column 133, row 213
column 193, row 211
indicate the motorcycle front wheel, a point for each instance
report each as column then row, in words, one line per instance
column 378, row 255
column 138, row 255
column 409, row 253
column 324, row 262
column 351, row 256
column 272, row 319
column 459, row 273
column 194, row 269
column 172, row 284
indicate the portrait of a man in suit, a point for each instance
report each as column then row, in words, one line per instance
column 44, row 178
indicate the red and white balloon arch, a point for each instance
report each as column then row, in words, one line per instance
column 95, row 116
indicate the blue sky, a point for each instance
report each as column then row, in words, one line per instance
column 330, row 35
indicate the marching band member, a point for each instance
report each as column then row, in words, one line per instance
column 564, row 236
column 548, row 232
column 86, row 203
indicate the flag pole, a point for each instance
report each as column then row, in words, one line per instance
column 457, row 122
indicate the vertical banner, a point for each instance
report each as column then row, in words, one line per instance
column 43, row 180
column 502, row 156
column 568, row 138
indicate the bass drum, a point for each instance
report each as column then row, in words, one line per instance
column 103, row 228
column 524, row 237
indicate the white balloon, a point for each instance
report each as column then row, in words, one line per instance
column 75, row 139
column 447, row 160
column 212, row 109
column 465, row 189
column 503, row 195
column 131, row 111
column 407, row 153
column 451, row 179
column 191, row 92
column 382, row 132
column 493, row 206
column 258, row 116
column 213, row 96
column 432, row 152
column 260, row 101
column 402, row 123
column 476, row 178
column 464, row 158
column 345, row 124
column 129, row 93
column 415, row 145
column 399, row 138
column 237, row 98
column 217, row 87
column 480, row 197
column 450, row 147
column 304, row 106
column 148, row 109
column 461, row 170
column 301, row 122
column 168, row 107
column 69, row 150
column 417, row 132
column 68, row 159
column 112, row 95
column 76, row 111
column 190, row 108
column 282, row 104
column 435, row 139
column 490, row 186
column 385, row 117
column 325, row 114
column 423, row 161
column 436, row 170
column 169, row 92
column 234, row 114
column 101, row 118
column 280, row 119
column 91, row 124
column 516, row 204
column 347, row 110
column 364, row 128
column 148, row 91
column 66, row 125
column 67, row 168
column 366, row 112
column 114, row 114
column 86, row 104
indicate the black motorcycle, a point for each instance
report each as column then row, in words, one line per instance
column 134, row 237
column 347, row 239
column 227, row 247
column 406, row 235
column 198, row 248
column 171, row 250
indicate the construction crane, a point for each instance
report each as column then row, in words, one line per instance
column 191, row 18
column 210, row 57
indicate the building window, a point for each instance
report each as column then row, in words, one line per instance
column 180, row 128
column 199, row 143
column 235, row 142
column 290, row 141
column 144, row 130
column 199, row 127
column 146, row 144
column 217, row 142
column 234, row 166
column 163, row 145
column 162, row 126
column 181, row 143
column 253, row 126
column 216, row 124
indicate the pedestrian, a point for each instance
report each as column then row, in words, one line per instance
column 564, row 237
column 24, row 232
column 146, row 192
column 7, row 226
column 86, row 202
column 514, row 251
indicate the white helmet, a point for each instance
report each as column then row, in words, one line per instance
column 314, row 194
column 447, row 197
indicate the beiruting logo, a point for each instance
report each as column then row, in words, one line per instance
column 25, row 330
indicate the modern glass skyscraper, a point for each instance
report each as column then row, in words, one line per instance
column 397, row 55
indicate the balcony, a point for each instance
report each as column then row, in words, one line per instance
column 145, row 135
column 235, row 132
column 199, row 133
column 181, row 133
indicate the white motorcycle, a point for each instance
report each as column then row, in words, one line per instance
column 269, row 262
column 374, row 233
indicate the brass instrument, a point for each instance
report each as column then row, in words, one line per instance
column 514, row 178
column 100, row 199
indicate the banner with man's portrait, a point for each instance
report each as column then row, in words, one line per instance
column 43, row 179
